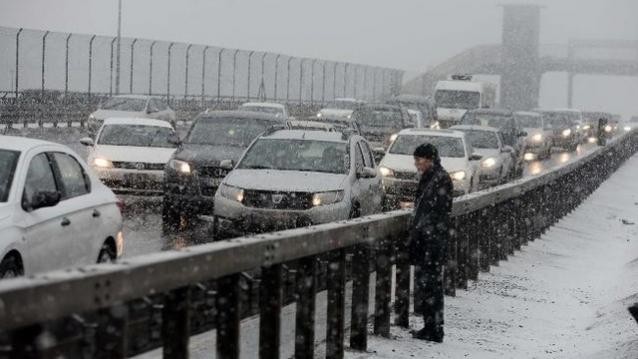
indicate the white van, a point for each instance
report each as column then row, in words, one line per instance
column 453, row 98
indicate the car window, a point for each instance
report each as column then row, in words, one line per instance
column 358, row 159
column 367, row 155
column 39, row 178
column 8, row 162
column 74, row 180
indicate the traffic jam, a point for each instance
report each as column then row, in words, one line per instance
column 260, row 169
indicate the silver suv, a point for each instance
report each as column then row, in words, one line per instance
column 294, row 178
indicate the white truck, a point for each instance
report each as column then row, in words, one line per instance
column 454, row 97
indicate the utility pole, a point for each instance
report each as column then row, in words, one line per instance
column 119, row 40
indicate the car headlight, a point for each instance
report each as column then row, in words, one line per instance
column 102, row 163
column 386, row 172
column 180, row 166
column 586, row 127
column 233, row 193
column 567, row 133
column 91, row 117
column 537, row 137
column 529, row 156
column 319, row 115
column 394, row 137
column 325, row 198
column 627, row 128
column 489, row 162
column 458, row 175
column 608, row 128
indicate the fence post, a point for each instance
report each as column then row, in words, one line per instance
column 383, row 288
column 234, row 71
column 187, row 60
column 374, row 83
column 66, row 65
column 250, row 59
column 323, row 83
column 219, row 74
column 150, row 69
column 228, row 317
column 301, row 61
column 336, row 305
column 276, row 75
column 356, row 82
column 176, row 323
column 402, row 304
column 345, row 79
column 112, row 334
column 360, row 298
column 270, row 302
column 312, row 81
column 17, row 75
column 44, row 46
column 90, row 63
column 204, row 73
column 168, row 73
column 366, row 88
column 111, row 68
column 288, row 80
column 306, row 287
column 334, row 80
column 130, row 85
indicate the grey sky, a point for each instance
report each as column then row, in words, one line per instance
column 406, row 34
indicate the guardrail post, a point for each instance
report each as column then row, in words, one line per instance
column 495, row 233
column 176, row 323
column 484, row 240
column 451, row 265
column 383, row 288
column 24, row 342
column 473, row 237
column 112, row 335
column 360, row 298
column 462, row 260
column 270, row 300
column 402, row 304
column 228, row 317
column 335, row 321
column 305, row 298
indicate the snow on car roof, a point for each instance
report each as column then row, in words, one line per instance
column 21, row 144
column 263, row 104
column 249, row 115
column 136, row 121
column 429, row 132
column 474, row 128
column 313, row 135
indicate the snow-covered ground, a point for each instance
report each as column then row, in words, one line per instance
column 564, row 295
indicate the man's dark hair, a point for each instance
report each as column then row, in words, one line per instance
column 427, row 151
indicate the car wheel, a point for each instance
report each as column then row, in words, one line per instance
column 107, row 254
column 355, row 211
column 10, row 267
column 170, row 217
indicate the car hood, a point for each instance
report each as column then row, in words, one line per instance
column 405, row 163
column 450, row 114
column 104, row 114
column 133, row 154
column 487, row 152
column 208, row 155
column 285, row 181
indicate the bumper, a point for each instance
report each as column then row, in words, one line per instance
column 127, row 181
column 236, row 219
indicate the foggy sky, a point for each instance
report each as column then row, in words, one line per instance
column 406, row 34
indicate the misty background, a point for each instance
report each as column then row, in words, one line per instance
column 411, row 35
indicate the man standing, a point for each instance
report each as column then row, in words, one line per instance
column 429, row 238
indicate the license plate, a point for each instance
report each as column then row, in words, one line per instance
column 213, row 182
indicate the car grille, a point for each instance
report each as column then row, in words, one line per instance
column 214, row 172
column 278, row 200
column 407, row 176
column 139, row 166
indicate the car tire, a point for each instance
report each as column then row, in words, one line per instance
column 170, row 217
column 355, row 211
column 10, row 267
column 107, row 254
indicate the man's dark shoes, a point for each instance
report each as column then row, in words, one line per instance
column 424, row 334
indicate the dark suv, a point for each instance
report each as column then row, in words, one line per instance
column 207, row 154
column 379, row 122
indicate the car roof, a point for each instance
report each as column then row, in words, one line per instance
column 474, row 128
column 136, row 121
column 314, row 135
column 431, row 132
column 264, row 104
column 16, row 143
column 248, row 115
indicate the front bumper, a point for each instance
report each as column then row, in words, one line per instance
column 236, row 219
column 128, row 181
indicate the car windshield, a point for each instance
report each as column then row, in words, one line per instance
column 457, row 99
column 124, row 104
column 482, row 139
column 263, row 109
column 8, row 161
column 558, row 120
column 136, row 135
column 381, row 118
column 233, row 132
column 296, row 155
column 529, row 121
column 483, row 119
column 447, row 146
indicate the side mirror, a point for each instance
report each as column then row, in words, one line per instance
column 87, row 141
column 366, row 172
column 43, row 199
column 476, row 157
column 227, row 164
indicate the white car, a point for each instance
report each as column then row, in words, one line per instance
column 275, row 109
column 294, row 178
column 539, row 135
column 498, row 162
column 400, row 176
column 54, row 212
column 129, row 154
column 131, row 106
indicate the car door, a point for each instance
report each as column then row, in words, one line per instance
column 359, row 192
column 85, row 229
column 44, row 229
column 376, row 185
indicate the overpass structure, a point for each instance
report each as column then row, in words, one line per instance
column 521, row 61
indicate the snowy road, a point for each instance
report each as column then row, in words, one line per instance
column 563, row 296
column 142, row 225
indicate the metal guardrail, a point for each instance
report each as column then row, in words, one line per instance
column 489, row 226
